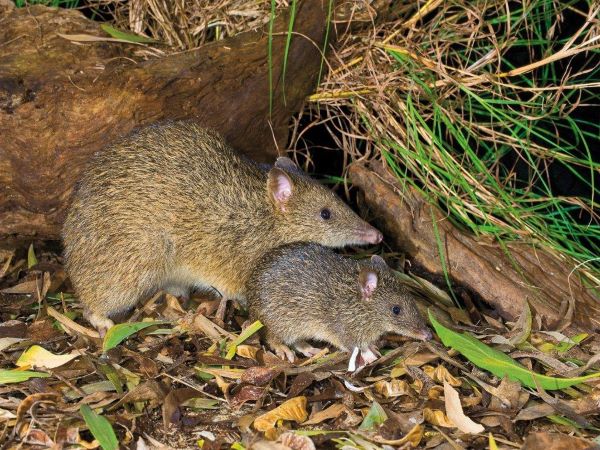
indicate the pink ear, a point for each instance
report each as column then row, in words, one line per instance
column 368, row 283
column 280, row 187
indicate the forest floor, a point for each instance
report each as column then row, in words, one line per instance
column 187, row 381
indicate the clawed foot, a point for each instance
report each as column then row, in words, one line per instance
column 283, row 352
column 308, row 350
column 100, row 323
column 221, row 310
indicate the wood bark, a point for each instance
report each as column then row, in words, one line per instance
column 62, row 101
column 504, row 278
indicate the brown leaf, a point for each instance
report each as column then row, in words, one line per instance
column 27, row 403
column 393, row 388
column 43, row 331
column 332, row 412
column 555, row 441
column 150, row 390
column 13, row 329
column 69, row 324
column 509, row 393
column 37, row 437
column 197, row 323
column 292, row 409
column 172, row 413
column 455, row 412
column 296, row 442
column 247, row 393
column 259, row 376
column 440, row 374
column 301, row 382
column 26, row 287
column 414, row 437
column 437, row 417
column 247, row 351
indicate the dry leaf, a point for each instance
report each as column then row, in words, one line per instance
column 331, row 412
column 197, row 323
column 435, row 392
column 440, row 374
column 69, row 324
column 247, row 393
column 508, row 393
column 232, row 374
column 417, row 359
column 393, row 388
column 6, row 342
column 296, row 442
column 437, row 417
column 36, row 356
column 292, row 409
column 259, row 376
column 26, row 287
column 414, row 437
column 246, row 351
column 6, row 415
column 555, row 441
column 455, row 412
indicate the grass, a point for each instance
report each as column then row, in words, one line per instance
column 53, row 3
column 488, row 109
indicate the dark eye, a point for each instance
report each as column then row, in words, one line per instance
column 325, row 214
column 396, row 310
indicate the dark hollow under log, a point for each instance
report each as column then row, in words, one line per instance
column 62, row 101
column 529, row 274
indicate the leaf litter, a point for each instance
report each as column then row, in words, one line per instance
column 187, row 381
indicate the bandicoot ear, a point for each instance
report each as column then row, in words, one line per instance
column 285, row 163
column 280, row 187
column 367, row 280
column 379, row 262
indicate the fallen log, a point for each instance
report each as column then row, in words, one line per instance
column 505, row 279
column 61, row 101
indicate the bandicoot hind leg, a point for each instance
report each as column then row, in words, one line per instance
column 100, row 322
column 280, row 349
column 306, row 349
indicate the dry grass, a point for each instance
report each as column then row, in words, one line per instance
column 482, row 105
column 185, row 25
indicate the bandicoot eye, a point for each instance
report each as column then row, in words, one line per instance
column 325, row 214
column 396, row 310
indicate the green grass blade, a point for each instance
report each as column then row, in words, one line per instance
column 376, row 416
column 231, row 349
column 498, row 363
column 100, row 428
column 31, row 258
column 129, row 37
column 18, row 376
column 288, row 41
column 118, row 333
column 270, row 56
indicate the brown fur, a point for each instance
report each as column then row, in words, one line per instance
column 305, row 291
column 172, row 206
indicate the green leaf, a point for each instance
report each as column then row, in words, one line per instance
column 100, row 428
column 118, row 333
column 498, row 363
column 375, row 416
column 31, row 259
column 231, row 348
column 129, row 37
column 18, row 376
column 492, row 442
